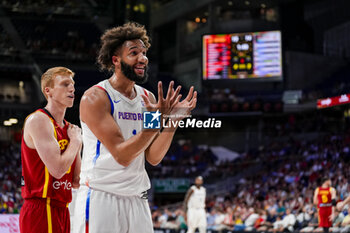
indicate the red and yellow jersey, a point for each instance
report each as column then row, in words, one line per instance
column 324, row 197
column 36, row 179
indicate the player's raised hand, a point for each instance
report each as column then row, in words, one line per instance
column 164, row 105
column 181, row 109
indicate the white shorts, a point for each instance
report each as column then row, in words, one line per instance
column 196, row 218
column 108, row 213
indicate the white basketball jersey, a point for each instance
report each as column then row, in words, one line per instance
column 197, row 199
column 99, row 168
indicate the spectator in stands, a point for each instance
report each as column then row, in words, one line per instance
column 171, row 223
column 155, row 218
column 229, row 219
column 261, row 220
column 251, row 219
column 163, row 218
column 281, row 209
column 312, row 225
column 278, row 225
column 239, row 225
column 180, row 219
column 3, row 206
column 303, row 218
column 211, row 219
column 270, row 219
column 338, row 219
column 219, row 220
column 289, row 221
column 345, row 224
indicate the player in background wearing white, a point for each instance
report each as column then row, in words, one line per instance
column 114, row 183
column 195, row 205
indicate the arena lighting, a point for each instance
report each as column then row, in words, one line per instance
column 13, row 120
column 333, row 101
column 7, row 123
column 347, row 113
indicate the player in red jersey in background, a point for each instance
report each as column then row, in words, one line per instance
column 324, row 198
column 50, row 158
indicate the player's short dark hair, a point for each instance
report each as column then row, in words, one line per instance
column 114, row 38
column 324, row 179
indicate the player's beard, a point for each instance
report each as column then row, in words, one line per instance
column 129, row 72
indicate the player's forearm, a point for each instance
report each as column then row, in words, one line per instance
column 125, row 152
column 159, row 147
column 76, row 182
column 347, row 200
column 76, row 175
column 187, row 197
column 66, row 159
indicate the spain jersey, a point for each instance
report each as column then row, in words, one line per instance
column 36, row 181
column 324, row 197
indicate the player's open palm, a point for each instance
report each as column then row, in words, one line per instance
column 181, row 109
column 164, row 105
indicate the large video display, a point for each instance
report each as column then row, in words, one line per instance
column 242, row 55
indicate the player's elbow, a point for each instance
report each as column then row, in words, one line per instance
column 153, row 162
column 125, row 163
column 57, row 174
column 121, row 160
column 76, row 182
column 75, row 185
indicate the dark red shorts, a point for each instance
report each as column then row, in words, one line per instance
column 323, row 216
column 41, row 215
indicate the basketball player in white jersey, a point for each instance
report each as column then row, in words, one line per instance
column 195, row 204
column 114, row 182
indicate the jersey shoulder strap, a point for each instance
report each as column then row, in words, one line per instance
column 109, row 97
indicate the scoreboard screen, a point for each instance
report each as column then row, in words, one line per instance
column 242, row 55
